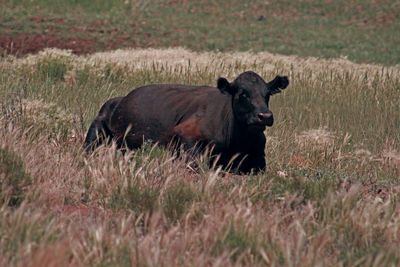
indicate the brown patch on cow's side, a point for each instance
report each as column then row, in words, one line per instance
column 190, row 129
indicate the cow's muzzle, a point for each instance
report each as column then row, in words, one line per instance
column 265, row 118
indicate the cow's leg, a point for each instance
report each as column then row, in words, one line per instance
column 255, row 155
column 255, row 163
column 188, row 148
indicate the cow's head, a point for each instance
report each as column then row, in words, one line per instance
column 250, row 97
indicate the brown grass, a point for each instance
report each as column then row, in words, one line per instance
column 330, row 196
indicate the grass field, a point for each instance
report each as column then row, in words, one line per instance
column 329, row 197
column 364, row 31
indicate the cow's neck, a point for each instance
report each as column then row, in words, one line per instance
column 228, row 121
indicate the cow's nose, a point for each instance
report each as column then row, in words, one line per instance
column 266, row 117
column 263, row 116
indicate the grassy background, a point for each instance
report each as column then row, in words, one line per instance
column 363, row 31
column 330, row 195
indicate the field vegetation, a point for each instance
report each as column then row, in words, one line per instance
column 329, row 197
column 364, row 31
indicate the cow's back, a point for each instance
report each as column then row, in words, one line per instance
column 152, row 112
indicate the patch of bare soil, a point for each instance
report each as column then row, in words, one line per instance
column 80, row 40
column 28, row 43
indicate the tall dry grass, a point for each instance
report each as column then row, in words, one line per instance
column 329, row 197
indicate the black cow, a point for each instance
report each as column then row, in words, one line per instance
column 231, row 119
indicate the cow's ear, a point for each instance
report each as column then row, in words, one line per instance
column 225, row 87
column 275, row 86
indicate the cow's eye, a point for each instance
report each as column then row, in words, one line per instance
column 244, row 95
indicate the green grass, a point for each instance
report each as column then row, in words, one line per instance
column 136, row 198
column 236, row 240
column 14, row 181
column 363, row 31
column 52, row 70
column 178, row 199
